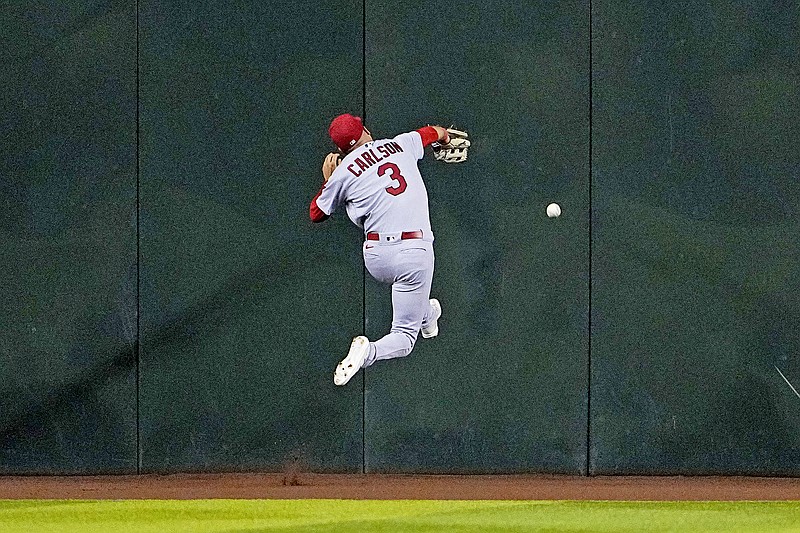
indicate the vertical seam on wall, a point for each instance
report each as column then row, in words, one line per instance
column 138, row 261
column 589, row 362
column 364, row 268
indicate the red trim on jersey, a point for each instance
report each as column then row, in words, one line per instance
column 317, row 214
column 428, row 134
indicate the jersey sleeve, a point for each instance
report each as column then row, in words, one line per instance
column 316, row 214
column 429, row 135
column 331, row 196
column 411, row 141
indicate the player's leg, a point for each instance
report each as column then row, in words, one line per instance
column 379, row 260
column 408, row 309
column 410, row 303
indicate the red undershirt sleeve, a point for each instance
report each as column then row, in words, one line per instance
column 317, row 214
column 428, row 134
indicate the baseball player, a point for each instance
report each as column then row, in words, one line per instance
column 383, row 193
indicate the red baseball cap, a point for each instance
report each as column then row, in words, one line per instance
column 345, row 131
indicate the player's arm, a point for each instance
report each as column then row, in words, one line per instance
column 317, row 214
column 328, row 166
column 432, row 134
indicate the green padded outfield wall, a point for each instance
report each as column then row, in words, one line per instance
column 246, row 306
column 67, row 237
column 696, row 246
column 504, row 386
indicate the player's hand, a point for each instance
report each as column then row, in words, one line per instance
column 453, row 147
column 331, row 162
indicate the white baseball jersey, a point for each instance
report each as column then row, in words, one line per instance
column 381, row 187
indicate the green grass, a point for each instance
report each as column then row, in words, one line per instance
column 240, row 516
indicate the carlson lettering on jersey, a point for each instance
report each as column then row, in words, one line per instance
column 367, row 158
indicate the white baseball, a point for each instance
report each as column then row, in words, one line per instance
column 553, row 210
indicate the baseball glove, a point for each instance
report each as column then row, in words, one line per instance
column 456, row 150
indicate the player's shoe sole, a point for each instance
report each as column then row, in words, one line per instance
column 350, row 365
column 433, row 327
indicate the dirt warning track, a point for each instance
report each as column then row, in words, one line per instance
column 382, row 487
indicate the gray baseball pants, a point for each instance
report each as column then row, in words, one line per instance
column 408, row 266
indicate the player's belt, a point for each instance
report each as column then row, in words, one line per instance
column 373, row 236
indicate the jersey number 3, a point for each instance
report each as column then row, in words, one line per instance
column 396, row 176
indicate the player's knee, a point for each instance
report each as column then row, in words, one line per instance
column 410, row 335
column 411, row 341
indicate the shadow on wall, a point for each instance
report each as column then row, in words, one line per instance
column 73, row 398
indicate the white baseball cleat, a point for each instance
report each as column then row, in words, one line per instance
column 433, row 325
column 350, row 365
